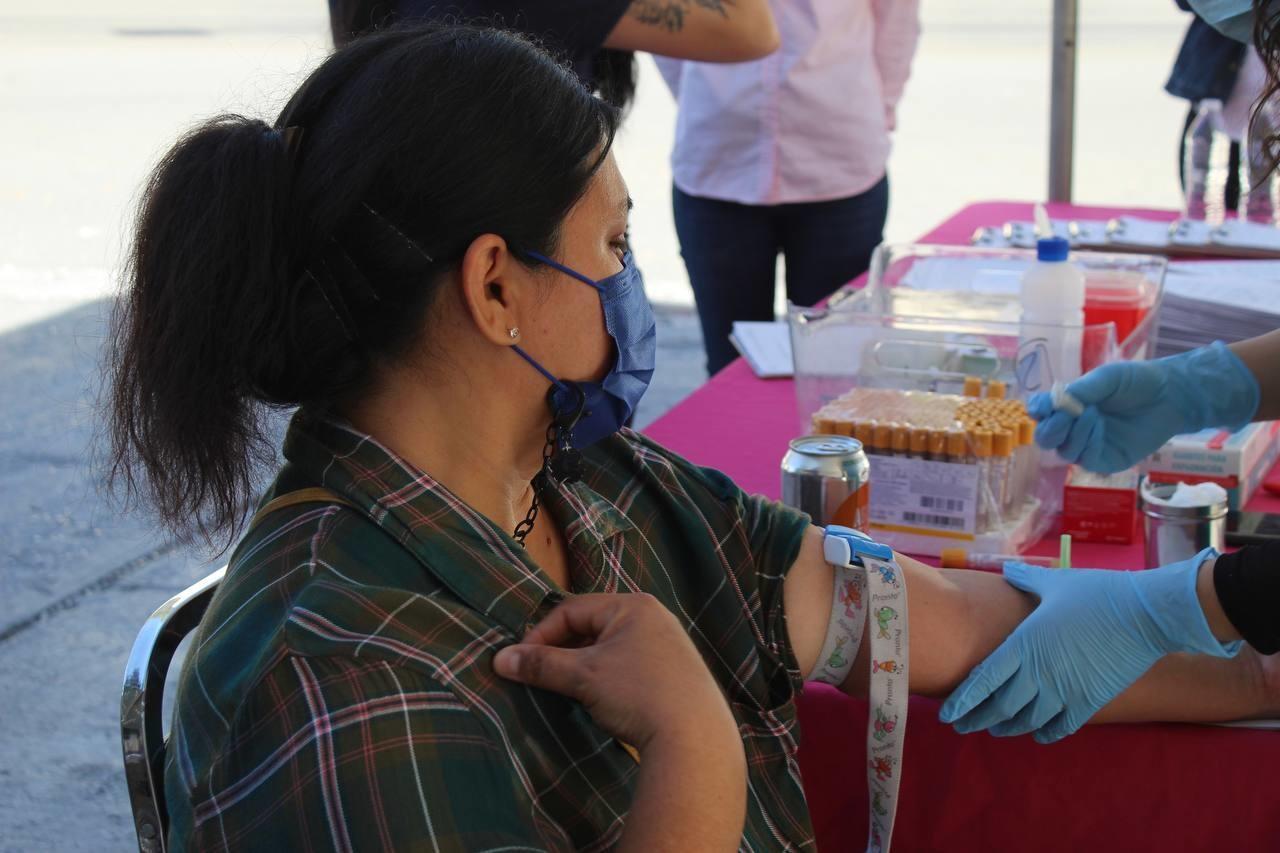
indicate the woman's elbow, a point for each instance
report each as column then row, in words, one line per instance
column 755, row 42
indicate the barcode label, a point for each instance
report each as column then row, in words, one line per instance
column 924, row 495
column 949, row 522
column 944, row 504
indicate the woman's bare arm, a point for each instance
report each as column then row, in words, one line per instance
column 1261, row 355
column 702, row 30
column 957, row 618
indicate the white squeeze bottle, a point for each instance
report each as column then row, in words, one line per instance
column 1053, row 312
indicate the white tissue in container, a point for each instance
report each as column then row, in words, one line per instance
column 1238, row 462
column 1189, row 495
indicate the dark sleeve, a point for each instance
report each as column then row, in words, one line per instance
column 1248, row 587
column 1207, row 65
column 578, row 27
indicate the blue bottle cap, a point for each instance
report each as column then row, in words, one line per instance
column 1052, row 249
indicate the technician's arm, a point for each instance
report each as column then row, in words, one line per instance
column 1262, row 356
column 702, row 30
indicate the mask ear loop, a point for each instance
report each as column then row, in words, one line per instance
column 569, row 271
column 565, row 463
column 561, row 462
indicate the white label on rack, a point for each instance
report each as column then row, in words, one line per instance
column 919, row 493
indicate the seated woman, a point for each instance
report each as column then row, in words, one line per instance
column 495, row 628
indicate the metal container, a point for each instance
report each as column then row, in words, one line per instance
column 1175, row 533
column 828, row 477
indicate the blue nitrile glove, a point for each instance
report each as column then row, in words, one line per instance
column 1133, row 407
column 1094, row 633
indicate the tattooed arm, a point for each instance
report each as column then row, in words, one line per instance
column 703, row 30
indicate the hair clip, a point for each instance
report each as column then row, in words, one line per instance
column 337, row 305
column 403, row 236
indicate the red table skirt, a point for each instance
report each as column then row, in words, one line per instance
column 1107, row 788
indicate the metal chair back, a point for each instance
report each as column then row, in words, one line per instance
column 141, row 714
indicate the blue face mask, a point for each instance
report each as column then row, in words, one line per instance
column 592, row 411
column 1232, row 18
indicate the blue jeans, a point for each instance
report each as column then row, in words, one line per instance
column 731, row 252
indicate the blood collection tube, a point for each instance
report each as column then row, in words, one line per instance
column 845, row 426
column 824, row 424
column 995, row 389
column 938, row 445
column 1001, row 469
column 973, row 386
column 901, row 440
column 1030, row 461
column 957, row 446
column 986, row 502
column 883, row 443
column 919, row 443
column 865, row 433
column 959, row 558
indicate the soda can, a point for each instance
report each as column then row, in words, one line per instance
column 828, row 477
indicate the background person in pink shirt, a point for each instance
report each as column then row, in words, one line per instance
column 787, row 154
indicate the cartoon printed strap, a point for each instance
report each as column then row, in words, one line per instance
column 844, row 628
column 881, row 591
column 887, row 723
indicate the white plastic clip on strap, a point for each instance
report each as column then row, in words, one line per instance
column 861, row 565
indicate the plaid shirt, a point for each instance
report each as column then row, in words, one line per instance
column 340, row 692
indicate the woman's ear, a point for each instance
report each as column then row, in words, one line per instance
column 496, row 289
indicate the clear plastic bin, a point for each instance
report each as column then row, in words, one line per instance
column 930, row 320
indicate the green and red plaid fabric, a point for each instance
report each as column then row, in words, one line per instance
column 340, row 694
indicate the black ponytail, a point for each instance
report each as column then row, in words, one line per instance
column 278, row 266
column 616, row 73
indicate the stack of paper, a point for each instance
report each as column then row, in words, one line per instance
column 1206, row 301
column 765, row 346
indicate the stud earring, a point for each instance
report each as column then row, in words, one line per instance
column 513, row 333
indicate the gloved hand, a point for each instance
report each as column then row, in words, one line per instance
column 1093, row 634
column 1133, row 407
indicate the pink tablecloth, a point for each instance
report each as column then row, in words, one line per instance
column 1149, row 787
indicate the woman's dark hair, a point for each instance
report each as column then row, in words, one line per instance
column 280, row 266
column 1266, row 39
column 616, row 74
column 614, row 71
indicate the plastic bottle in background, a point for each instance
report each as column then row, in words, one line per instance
column 1053, row 311
column 1197, row 153
column 1255, row 179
